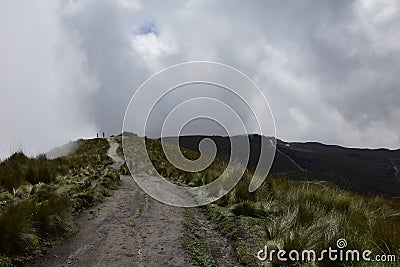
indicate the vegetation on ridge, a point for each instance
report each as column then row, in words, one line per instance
column 39, row 197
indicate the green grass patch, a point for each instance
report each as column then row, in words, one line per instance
column 194, row 241
column 141, row 209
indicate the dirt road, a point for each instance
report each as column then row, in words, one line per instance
column 129, row 229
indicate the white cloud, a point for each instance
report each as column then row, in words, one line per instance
column 150, row 48
column 130, row 4
column 44, row 80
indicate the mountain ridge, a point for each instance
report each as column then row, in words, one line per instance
column 362, row 170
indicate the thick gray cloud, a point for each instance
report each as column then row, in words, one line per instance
column 329, row 68
column 45, row 81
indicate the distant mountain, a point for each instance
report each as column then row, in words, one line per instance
column 366, row 171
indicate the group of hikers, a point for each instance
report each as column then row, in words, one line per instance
column 97, row 135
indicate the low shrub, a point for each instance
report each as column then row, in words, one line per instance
column 14, row 226
column 49, row 217
column 84, row 199
column 241, row 190
column 110, row 179
column 10, row 176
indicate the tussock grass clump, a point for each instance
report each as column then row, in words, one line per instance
column 104, row 192
column 49, row 218
column 42, row 192
column 241, row 190
column 23, row 223
column 124, row 169
column 110, row 179
column 84, row 199
column 39, row 174
column 10, row 176
column 248, row 208
column 14, row 227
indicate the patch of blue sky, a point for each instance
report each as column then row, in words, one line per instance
column 148, row 28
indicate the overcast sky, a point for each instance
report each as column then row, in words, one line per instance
column 329, row 69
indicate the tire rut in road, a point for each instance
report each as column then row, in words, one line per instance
column 222, row 249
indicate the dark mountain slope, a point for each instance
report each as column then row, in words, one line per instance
column 366, row 171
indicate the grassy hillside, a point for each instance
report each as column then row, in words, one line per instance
column 286, row 214
column 39, row 197
column 365, row 171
